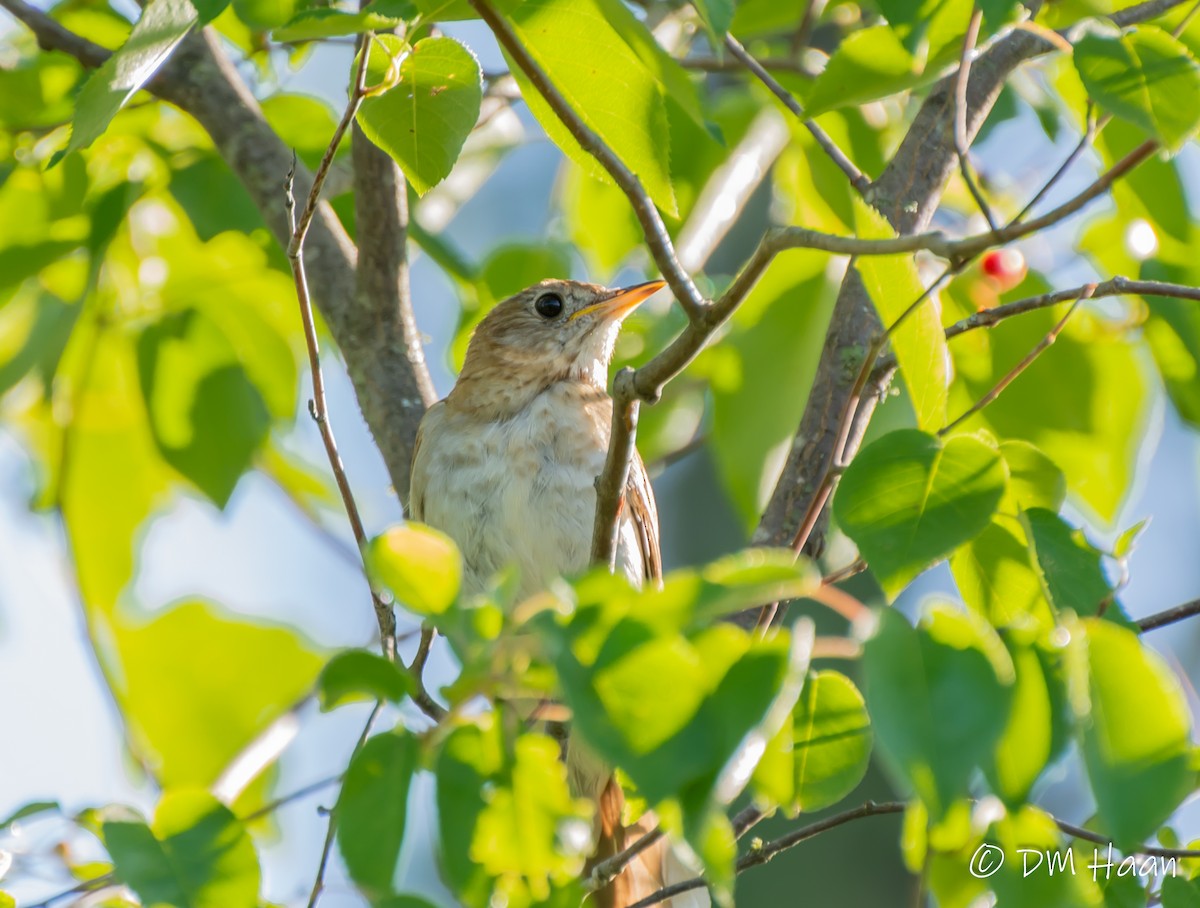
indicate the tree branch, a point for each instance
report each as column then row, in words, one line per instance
column 1170, row 616
column 318, row 406
column 961, row 143
column 657, row 238
column 857, row 178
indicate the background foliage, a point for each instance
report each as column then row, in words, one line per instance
column 989, row 665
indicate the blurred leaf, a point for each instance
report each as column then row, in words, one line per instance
column 356, row 674
column 909, row 499
column 1034, row 480
column 1037, row 728
column 213, row 197
column 445, row 10
column 607, row 85
column 420, row 565
column 869, row 64
column 1136, row 730
column 163, row 24
column 207, row 417
column 1178, row 892
column 209, row 9
column 1069, row 565
column 403, row 901
column 7, row 901
column 775, row 345
column 35, row 90
column 195, row 854
column 33, row 808
column 373, row 806
column 821, row 755
column 599, row 220
column 508, row 823
column 303, row 123
column 422, row 120
column 939, row 696
column 716, row 16
column 1127, row 541
column 112, row 476
column 920, row 343
column 1092, row 424
column 264, row 15
column 1146, row 77
column 323, row 22
column 1173, row 332
column 196, row 686
column 1026, row 878
column 996, row 578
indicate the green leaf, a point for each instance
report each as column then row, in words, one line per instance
column 303, row 123
column 322, row 22
column 1144, row 76
column 264, row 15
column 606, row 84
column 360, row 675
column 1070, row 566
column 1173, row 332
column 33, row 808
column 373, row 806
column 196, row 687
column 997, row 579
column 1093, row 424
column 1178, row 892
column 163, row 24
column 939, row 697
column 423, row 120
column 716, row 16
column 1035, row 731
column 420, row 565
column 507, row 820
column 1034, row 829
column 1135, row 727
column 910, row 499
column 822, row 753
column 209, row 9
column 7, row 901
column 775, row 343
column 599, row 220
column 1034, row 480
column 195, row 854
column 445, row 10
column 920, row 343
column 207, row 416
column 869, row 64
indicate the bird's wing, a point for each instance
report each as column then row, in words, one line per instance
column 642, row 510
column 418, row 474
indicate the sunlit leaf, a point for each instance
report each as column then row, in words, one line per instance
column 870, row 64
column 322, row 22
column 1136, row 729
column 420, row 565
column 821, row 755
column 1069, row 565
column 1146, row 77
column 163, row 24
column 423, row 120
column 575, row 43
column 195, row 854
column 920, row 344
column 910, row 499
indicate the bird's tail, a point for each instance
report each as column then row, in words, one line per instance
column 653, row 868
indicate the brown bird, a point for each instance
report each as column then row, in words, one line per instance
column 506, row 467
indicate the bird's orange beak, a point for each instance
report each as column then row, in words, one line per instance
column 622, row 302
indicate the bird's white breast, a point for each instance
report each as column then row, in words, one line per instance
column 520, row 491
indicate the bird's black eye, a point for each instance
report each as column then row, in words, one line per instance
column 549, row 305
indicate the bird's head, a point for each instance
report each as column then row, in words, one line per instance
column 553, row 331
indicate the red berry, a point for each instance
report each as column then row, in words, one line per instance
column 1005, row 268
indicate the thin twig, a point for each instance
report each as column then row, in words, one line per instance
column 420, row 695
column 93, row 885
column 1091, row 129
column 762, row 854
column 658, row 240
column 606, row 871
column 857, row 178
column 855, row 567
column 331, row 828
column 298, row 794
column 1115, row 286
column 318, row 406
column 725, row 65
column 1025, row 363
column 1170, row 616
column 612, row 481
column 961, row 142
